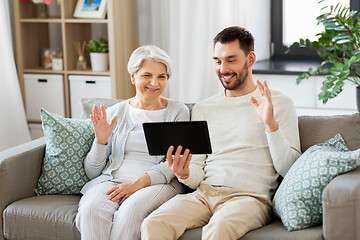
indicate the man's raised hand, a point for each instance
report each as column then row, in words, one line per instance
column 179, row 163
column 265, row 109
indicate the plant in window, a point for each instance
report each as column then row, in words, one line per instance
column 339, row 47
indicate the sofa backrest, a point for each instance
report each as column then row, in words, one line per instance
column 317, row 129
column 87, row 105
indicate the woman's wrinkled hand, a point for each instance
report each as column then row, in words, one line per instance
column 101, row 127
column 122, row 191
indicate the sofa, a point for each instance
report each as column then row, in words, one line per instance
column 27, row 216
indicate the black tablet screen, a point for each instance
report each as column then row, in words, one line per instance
column 192, row 135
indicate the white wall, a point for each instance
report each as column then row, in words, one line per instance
column 305, row 94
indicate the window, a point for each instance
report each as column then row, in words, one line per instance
column 292, row 20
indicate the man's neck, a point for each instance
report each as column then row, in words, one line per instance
column 247, row 87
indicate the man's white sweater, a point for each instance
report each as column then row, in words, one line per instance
column 245, row 156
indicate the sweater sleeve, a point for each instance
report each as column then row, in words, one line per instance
column 284, row 144
column 197, row 163
column 162, row 173
column 96, row 158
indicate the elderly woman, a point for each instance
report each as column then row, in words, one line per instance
column 127, row 183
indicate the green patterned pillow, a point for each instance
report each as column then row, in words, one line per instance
column 67, row 143
column 298, row 198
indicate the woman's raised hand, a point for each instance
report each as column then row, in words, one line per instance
column 101, row 127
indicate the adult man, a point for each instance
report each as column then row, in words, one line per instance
column 254, row 136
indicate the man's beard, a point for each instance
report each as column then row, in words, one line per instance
column 238, row 81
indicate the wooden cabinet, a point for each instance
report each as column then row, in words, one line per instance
column 62, row 30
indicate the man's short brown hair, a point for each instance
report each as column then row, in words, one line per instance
column 231, row 34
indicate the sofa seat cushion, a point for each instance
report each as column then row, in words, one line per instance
column 42, row 217
column 272, row 231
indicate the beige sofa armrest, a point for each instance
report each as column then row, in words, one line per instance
column 341, row 207
column 20, row 169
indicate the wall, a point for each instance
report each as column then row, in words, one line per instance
column 305, row 97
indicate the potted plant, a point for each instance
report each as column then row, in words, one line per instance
column 339, row 47
column 99, row 53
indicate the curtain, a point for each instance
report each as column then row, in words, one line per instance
column 13, row 124
column 185, row 30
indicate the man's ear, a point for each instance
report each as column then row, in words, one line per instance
column 251, row 58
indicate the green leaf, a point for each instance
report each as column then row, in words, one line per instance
column 294, row 45
column 324, row 68
column 329, row 23
column 302, row 77
column 355, row 25
column 323, row 16
column 342, row 41
column 324, row 8
column 324, row 40
column 341, row 12
column 329, row 79
column 346, row 66
column 324, row 96
column 354, row 59
column 315, row 45
column 311, row 71
column 337, row 88
column 344, row 75
column 335, row 72
column 341, row 36
column 98, row 45
column 336, row 28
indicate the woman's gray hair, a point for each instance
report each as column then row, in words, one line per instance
column 148, row 52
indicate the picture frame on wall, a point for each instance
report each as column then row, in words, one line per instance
column 90, row 9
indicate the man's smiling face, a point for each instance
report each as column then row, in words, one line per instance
column 230, row 64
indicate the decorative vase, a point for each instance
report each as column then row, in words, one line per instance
column 358, row 98
column 99, row 61
column 42, row 10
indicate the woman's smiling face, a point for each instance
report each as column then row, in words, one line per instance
column 151, row 79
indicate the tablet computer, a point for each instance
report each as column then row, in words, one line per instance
column 192, row 135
